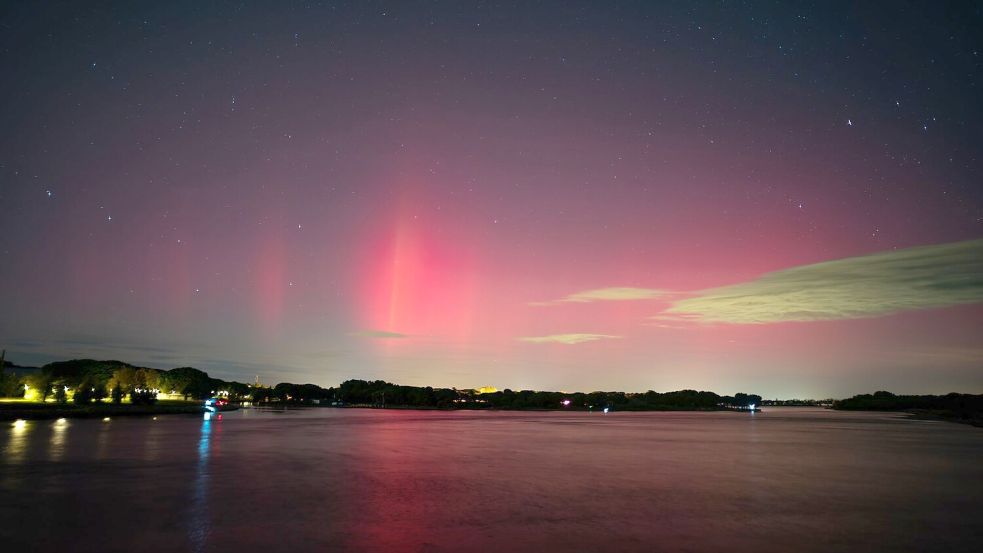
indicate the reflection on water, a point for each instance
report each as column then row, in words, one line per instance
column 17, row 441
column 56, row 445
column 102, row 439
column 153, row 443
column 199, row 523
column 804, row 480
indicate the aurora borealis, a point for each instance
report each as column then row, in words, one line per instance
column 781, row 197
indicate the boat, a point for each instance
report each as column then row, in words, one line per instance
column 216, row 404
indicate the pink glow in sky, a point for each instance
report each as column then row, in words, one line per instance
column 455, row 197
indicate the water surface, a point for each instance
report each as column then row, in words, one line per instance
column 363, row 480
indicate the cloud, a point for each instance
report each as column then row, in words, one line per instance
column 855, row 287
column 379, row 334
column 607, row 294
column 566, row 338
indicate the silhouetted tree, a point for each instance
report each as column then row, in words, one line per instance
column 40, row 382
column 60, row 395
column 117, row 394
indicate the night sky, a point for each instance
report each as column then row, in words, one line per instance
column 774, row 197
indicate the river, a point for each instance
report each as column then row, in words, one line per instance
column 785, row 479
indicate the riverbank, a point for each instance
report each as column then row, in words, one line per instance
column 479, row 407
column 945, row 416
column 40, row 411
column 960, row 408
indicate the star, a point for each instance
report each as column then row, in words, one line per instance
column 48, row 192
column 849, row 122
column 109, row 217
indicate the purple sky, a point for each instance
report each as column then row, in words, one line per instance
column 566, row 195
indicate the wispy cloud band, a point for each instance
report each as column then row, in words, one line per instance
column 855, row 287
column 618, row 293
column 568, row 339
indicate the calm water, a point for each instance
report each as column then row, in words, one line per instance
column 359, row 480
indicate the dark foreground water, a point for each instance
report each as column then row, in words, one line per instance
column 360, row 480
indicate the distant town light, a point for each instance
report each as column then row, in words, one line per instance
column 605, row 409
column 61, row 421
column 105, row 419
column 565, row 402
column 20, row 423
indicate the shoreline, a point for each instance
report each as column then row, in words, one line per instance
column 940, row 416
column 48, row 411
column 37, row 411
column 10, row 412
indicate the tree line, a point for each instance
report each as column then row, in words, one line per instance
column 85, row 381
column 959, row 407
column 380, row 392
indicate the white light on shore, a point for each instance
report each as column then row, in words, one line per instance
column 105, row 419
column 20, row 423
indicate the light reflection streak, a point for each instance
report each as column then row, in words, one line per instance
column 56, row 445
column 152, row 444
column 200, row 525
column 102, row 441
column 17, row 442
